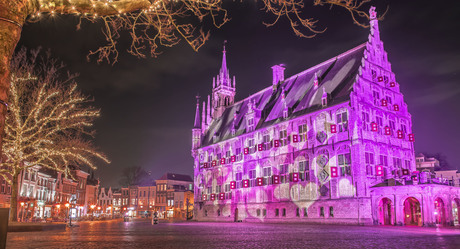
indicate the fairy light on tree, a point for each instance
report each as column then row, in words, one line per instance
column 49, row 122
column 151, row 23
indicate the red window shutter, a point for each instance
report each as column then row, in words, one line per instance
column 277, row 143
column 246, row 150
column 405, row 172
column 392, row 84
column 379, row 170
column 295, row 176
column 334, row 172
column 276, row 179
column 380, row 78
column 213, row 197
column 205, row 165
column 333, row 128
column 400, row 134
column 214, row 163
column 295, row 138
column 233, row 185
column 233, row 159
column 387, row 130
column 384, row 102
column 260, row 147
column 222, row 160
column 396, row 107
column 374, row 126
column 411, row 137
column 246, row 183
column 221, row 196
column 260, row 181
column 204, row 197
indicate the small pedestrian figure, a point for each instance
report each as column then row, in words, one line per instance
column 155, row 218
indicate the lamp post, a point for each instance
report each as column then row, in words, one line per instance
column 67, row 205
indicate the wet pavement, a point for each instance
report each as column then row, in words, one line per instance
column 141, row 234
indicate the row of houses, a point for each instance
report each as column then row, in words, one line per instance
column 171, row 196
column 47, row 194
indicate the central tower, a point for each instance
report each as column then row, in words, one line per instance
column 223, row 89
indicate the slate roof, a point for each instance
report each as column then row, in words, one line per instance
column 335, row 75
column 176, row 177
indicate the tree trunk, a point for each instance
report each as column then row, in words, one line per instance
column 14, row 198
column 12, row 16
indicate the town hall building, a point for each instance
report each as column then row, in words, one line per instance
column 331, row 144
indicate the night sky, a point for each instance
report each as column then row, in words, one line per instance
column 148, row 105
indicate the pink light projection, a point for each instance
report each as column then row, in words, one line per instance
column 325, row 143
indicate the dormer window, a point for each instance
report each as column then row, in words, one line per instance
column 285, row 113
column 250, row 124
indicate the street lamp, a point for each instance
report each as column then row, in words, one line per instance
column 58, row 206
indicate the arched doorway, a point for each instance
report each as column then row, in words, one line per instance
column 385, row 212
column 455, row 211
column 439, row 212
column 412, row 212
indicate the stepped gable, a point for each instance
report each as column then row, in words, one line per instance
column 336, row 75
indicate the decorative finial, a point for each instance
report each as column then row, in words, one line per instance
column 372, row 13
column 225, row 42
column 197, row 98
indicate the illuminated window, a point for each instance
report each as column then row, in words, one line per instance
column 344, row 162
column 302, row 132
column 342, row 121
column 283, row 138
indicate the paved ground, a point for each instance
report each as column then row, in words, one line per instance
column 118, row 234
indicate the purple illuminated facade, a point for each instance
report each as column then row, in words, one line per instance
column 332, row 144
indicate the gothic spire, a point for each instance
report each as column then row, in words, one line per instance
column 223, row 73
column 197, row 113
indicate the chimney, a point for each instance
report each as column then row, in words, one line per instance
column 278, row 73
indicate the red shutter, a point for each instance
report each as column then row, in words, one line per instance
column 221, row 196
column 387, row 130
column 374, row 126
column 233, row 185
column 380, row 78
column 260, row 147
column 233, row 159
column 295, row 138
column 260, row 181
column 246, row 183
column 214, row 163
column 379, row 170
column 205, row 165
column 277, row 143
column 384, row 102
column 295, row 176
column 222, row 160
column 333, row 128
column 246, row 150
column 204, row 197
column 405, row 172
column 334, row 172
column 213, row 197
column 400, row 134
column 396, row 107
column 276, row 179
column 411, row 137
column 392, row 84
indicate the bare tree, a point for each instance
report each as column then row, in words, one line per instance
column 133, row 175
column 151, row 23
column 49, row 122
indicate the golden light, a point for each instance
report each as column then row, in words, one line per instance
column 98, row 208
column 67, row 205
column 22, row 203
column 58, row 206
column 92, row 206
column 109, row 208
